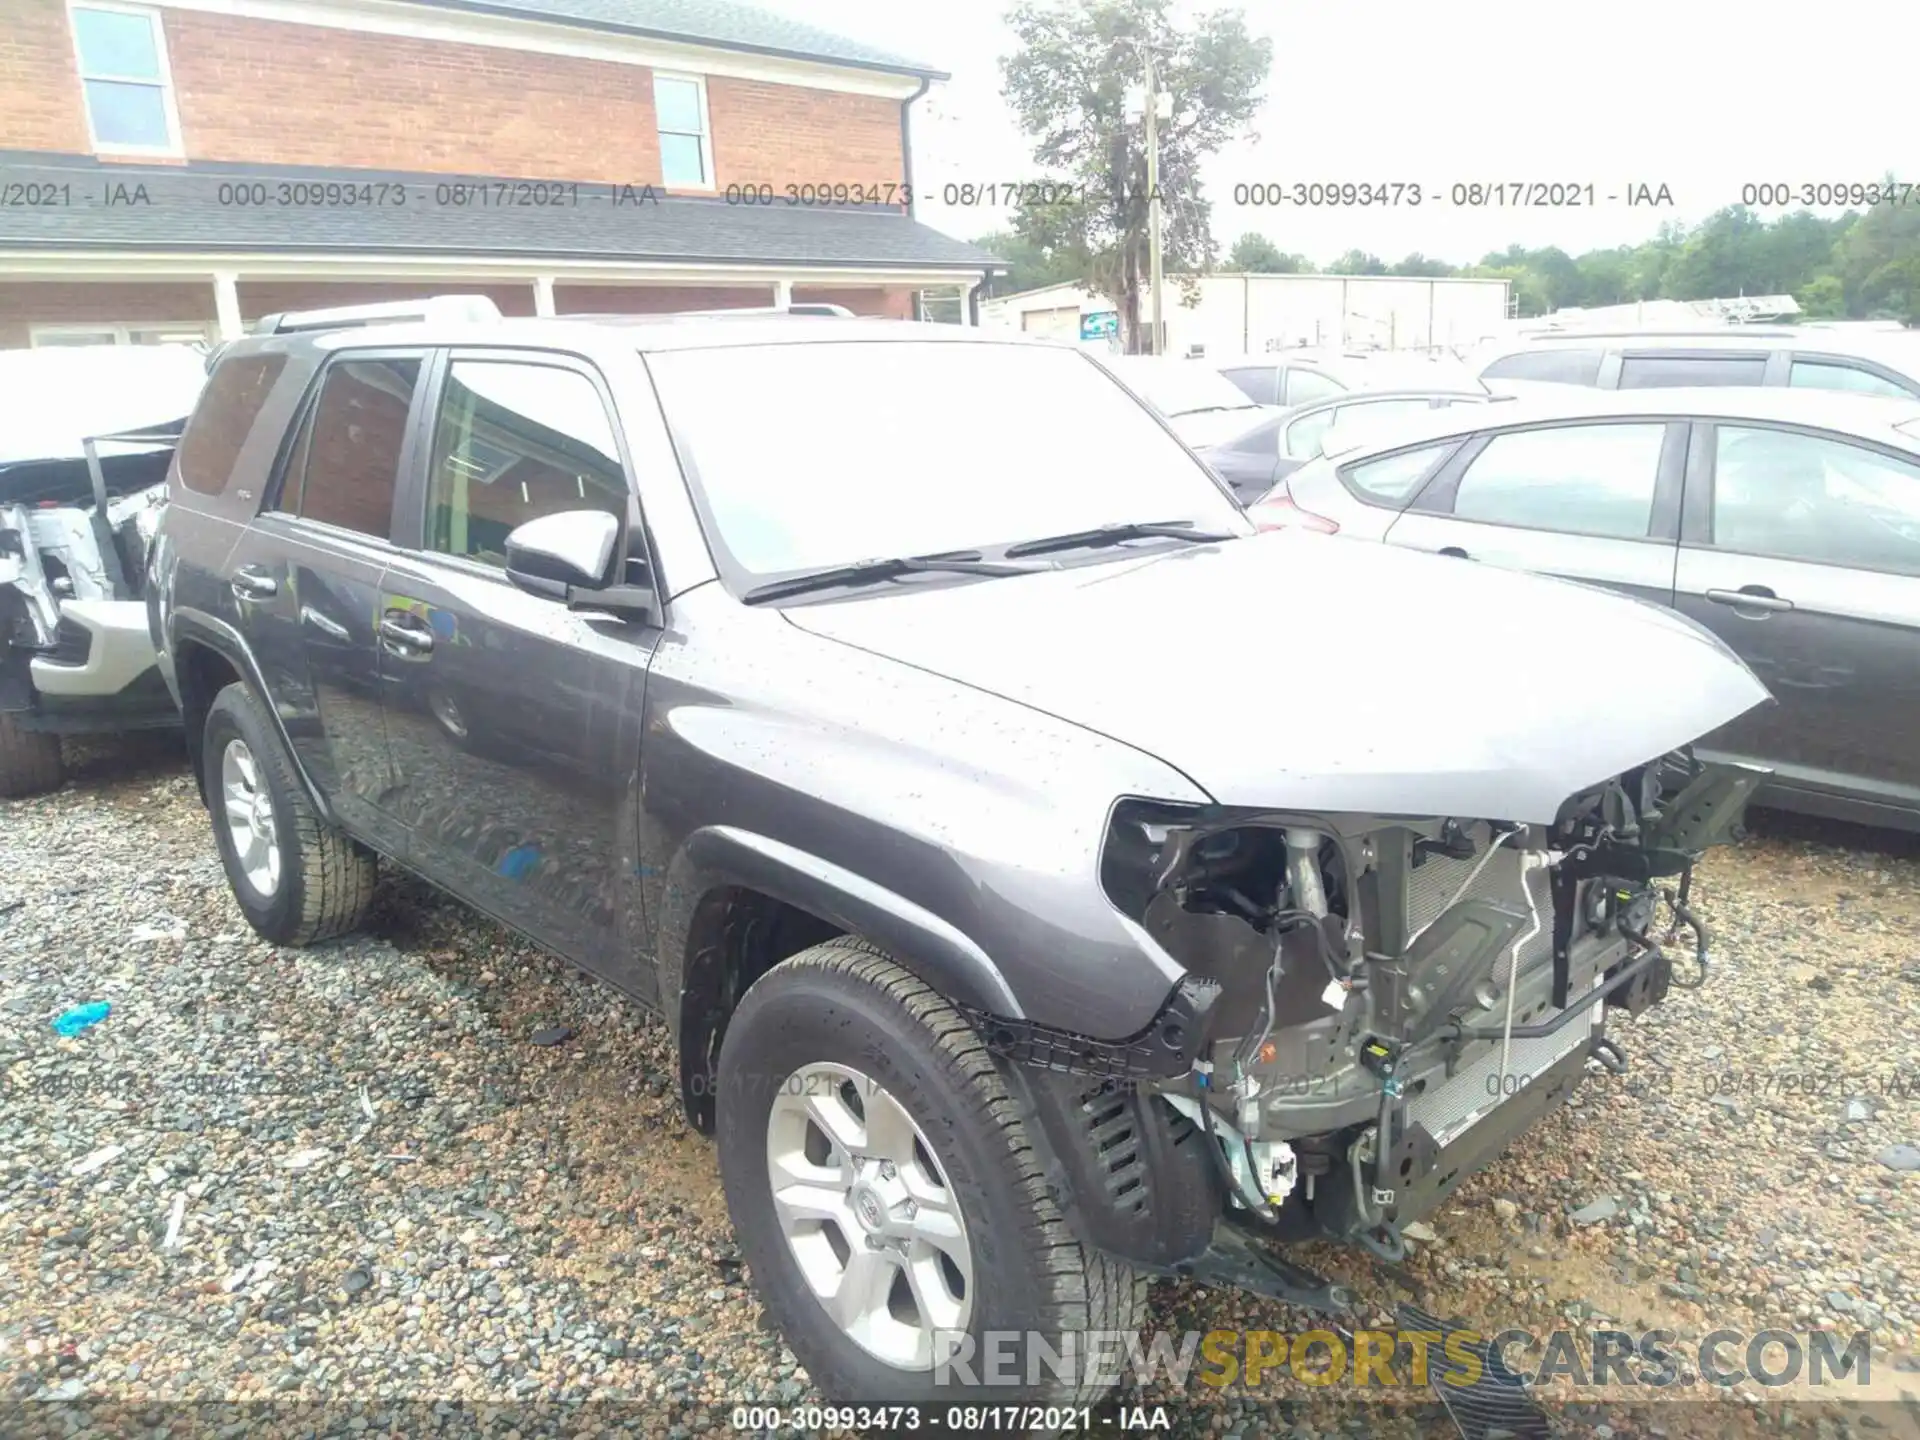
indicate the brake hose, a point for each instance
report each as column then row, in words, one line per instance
column 1683, row 916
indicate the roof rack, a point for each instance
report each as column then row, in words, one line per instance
column 1655, row 332
column 430, row 307
column 744, row 312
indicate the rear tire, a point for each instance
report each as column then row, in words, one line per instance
column 846, row 1005
column 296, row 878
column 30, row 761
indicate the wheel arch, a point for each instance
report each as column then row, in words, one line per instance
column 737, row 903
column 208, row 655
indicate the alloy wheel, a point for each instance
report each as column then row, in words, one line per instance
column 868, row 1214
column 249, row 817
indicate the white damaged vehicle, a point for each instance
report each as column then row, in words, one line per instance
column 86, row 436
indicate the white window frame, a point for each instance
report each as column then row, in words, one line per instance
column 699, row 82
column 169, row 106
column 122, row 334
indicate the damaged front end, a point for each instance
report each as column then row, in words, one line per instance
column 1375, row 1007
column 75, row 651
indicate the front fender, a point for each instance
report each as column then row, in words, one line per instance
column 722, row 855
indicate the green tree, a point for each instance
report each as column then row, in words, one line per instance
column 1066, row 84
column 1030, row 266
column 1822, row 298
column 1255, row 254
column 1878, row 263
column 1358, row 262
column 1863, row 265
column 1607, row 277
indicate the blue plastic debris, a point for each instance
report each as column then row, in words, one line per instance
column 519, row 862
column 82, row 1017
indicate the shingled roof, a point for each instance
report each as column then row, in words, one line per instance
column 201, row 208
column 721, row 23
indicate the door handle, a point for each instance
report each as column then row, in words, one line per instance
column 405, row 637
column 326, row 624
column 1750, row 597
column 250, row 582
column 1455, row 551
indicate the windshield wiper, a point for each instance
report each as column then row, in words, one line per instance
column 1114, row 534
column 872, row 572
column 1213, row 409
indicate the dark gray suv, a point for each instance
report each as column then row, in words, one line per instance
column 1048, row 881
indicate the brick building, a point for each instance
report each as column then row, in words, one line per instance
column 179, row 169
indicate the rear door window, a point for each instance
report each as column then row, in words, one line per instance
column 1797, row 496
column 1659, row 372
column 1836, row 375
column 1564, row 367
column 1305, row 434
column 1574, row 479
column 344, row 467
column 235, row 393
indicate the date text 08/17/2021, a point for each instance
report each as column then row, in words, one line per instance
column 953, row 1419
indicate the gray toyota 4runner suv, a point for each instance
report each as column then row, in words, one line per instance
column 1048, row 881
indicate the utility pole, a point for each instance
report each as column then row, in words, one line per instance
column 1152, row 107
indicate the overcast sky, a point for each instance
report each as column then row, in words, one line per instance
column 1408, row 90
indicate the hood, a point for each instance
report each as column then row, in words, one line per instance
column 1311, row 672
column 56, row 397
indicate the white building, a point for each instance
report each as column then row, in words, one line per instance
column 1239, row 314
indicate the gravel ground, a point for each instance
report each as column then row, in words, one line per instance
column 302, row 1176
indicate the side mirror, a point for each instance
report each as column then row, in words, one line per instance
column 569, row 548
column 569, row 556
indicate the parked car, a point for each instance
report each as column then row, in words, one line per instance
column 1254, row 462
column 75, row 656
column 1304, row 375
column 1786, row 522
column 1200, row 407
column 1019, row 937
column 1871, row 362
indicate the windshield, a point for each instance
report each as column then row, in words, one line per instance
column 828, row 453
column 1180, row 387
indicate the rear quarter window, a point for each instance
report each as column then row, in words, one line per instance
column 1564, row 367
column 220, row 423
column 1395, row 479
column 1259, row 383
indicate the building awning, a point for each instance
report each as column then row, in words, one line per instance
column 80, row 206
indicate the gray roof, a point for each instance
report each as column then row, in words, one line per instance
column 1884, row 419
column 402, row 214
column 704, row 22
column 1890, row 345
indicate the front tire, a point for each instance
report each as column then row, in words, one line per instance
column 296, row 878
column 889, row 1200
column 30, row 761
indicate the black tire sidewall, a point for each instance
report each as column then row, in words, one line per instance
column 233, row 715
column 794, row 1017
